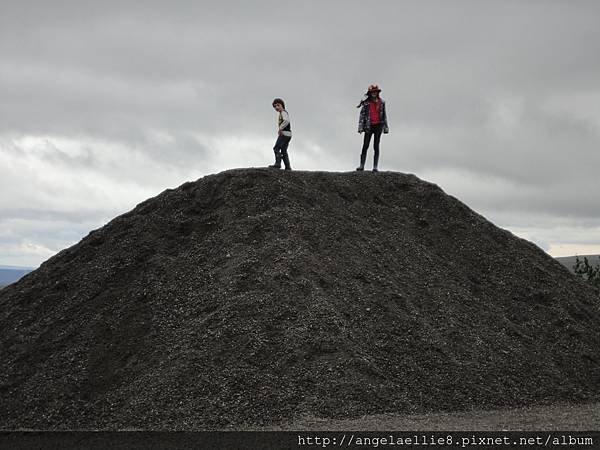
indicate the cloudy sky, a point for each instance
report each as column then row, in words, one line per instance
column 104, row 105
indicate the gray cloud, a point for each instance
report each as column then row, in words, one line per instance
column 494, row 101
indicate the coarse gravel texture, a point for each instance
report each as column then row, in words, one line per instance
column 255, row 296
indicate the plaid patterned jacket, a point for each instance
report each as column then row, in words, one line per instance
column 364, row 119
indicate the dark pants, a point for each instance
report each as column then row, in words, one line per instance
column 376, row 131
column 280, row 149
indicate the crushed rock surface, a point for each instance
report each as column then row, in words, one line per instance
column 256, row 296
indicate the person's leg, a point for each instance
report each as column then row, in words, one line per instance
column 363, row 154
column 277, row 151
column 376, row 139
column 284, row 152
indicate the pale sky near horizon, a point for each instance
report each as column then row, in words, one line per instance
column 105, row 104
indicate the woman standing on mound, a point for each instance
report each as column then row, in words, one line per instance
column 373, row 121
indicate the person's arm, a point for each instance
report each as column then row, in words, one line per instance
column 286, row 120
column 361, row 119
column 386, row 129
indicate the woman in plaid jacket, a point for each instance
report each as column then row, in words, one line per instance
column 373, row 121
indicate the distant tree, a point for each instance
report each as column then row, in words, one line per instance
column 583, row 269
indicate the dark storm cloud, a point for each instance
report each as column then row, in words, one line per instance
column 490, row 89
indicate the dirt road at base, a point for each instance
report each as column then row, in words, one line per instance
column 571, row 417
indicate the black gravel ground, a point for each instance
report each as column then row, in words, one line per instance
column 255, row 296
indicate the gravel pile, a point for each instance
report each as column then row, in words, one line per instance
column 254, row 296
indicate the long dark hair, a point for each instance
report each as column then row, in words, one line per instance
column 363, row 100
column 366, row 98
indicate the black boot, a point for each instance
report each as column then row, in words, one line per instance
column 362, row 162
column 286, row 161
column 375, row 162
column 277, row 164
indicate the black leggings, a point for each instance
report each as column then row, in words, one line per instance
column 375, row 130
column 281, row 145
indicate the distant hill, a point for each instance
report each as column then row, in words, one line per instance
column 569, row 261
column 10, row 274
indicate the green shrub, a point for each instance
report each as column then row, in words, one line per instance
column 585, row 270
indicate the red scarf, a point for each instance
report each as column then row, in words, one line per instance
column 374, row 112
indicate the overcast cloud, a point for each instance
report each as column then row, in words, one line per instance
column 106, row 104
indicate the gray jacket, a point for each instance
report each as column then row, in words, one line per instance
column 364, row 118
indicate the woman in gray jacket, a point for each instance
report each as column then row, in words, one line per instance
column 373, row 121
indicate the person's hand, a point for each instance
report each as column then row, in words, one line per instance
column 279, row 132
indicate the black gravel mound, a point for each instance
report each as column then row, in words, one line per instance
column 254, row 296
